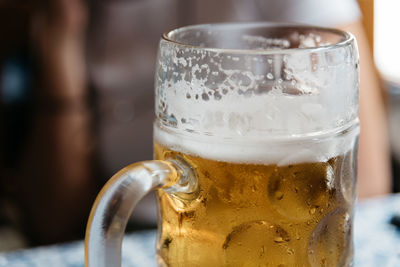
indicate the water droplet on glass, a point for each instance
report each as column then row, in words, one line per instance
column 205, row 97
column 172, row 120
column 278, row 195
column 217, row 96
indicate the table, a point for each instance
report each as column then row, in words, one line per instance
column 377, row 243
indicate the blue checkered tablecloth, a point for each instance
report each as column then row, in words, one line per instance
column 377, row 243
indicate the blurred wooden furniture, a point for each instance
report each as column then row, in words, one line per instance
column 367, row 9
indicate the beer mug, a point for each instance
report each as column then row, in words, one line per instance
column 255, row 144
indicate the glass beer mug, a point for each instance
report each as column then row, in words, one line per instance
column 255, row 141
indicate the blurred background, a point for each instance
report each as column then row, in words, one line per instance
column 76, row 97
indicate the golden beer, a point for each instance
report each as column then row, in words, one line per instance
column 259, row 215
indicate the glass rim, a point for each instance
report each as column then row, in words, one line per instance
column 347, row 37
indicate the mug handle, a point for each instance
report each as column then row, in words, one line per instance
column 116, row 201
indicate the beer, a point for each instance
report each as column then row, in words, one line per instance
column 256, row 214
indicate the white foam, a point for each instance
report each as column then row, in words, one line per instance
column 259, row 150
column 256, row 106
column 219, row 99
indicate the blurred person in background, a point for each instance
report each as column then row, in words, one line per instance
column 47, row 152
column 90, row 111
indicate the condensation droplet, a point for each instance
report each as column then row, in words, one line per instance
column 172, row 120
column 278, row 195
column 290, row 251
column 205, row 97
column 217, row 96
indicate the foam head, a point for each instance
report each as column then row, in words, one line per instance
column 256, row 81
